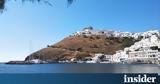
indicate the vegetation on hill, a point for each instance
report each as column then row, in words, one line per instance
column 79, row 47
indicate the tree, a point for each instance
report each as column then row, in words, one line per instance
column 48, row 2
column 128, row 41
column 2, row 2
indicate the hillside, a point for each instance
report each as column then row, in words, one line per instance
column 81, row 46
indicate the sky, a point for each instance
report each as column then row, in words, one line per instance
column 28, row 27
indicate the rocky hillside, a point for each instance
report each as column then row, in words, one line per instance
column 81, row 46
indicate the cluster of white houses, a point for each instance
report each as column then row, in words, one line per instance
column 147, row 50
column 146, row 56
column 90, row 31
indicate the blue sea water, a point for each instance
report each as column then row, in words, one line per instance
column 80, row 68
column 72, row 73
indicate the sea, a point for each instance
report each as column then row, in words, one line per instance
column 79, row 68
column 73, row 73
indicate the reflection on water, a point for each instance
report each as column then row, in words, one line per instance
column 80, row 68
column 113, row 68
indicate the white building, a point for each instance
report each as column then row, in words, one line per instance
column 120, row 56
column 95, row 59
column 143, row 54
column 38, row 61
column 100, row 58
column 140, row 50
column 90, row 31
column 108, row 58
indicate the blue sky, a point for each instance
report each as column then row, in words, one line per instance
column 25, row 28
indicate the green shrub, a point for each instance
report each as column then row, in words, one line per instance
column 127, row 41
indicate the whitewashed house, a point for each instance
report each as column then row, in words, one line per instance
column 120, row 56
column 95, row 59
column 100, row 58
column 143, row 54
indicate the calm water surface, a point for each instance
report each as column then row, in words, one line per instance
column 80, row 68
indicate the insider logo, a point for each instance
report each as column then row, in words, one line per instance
column 139, row 79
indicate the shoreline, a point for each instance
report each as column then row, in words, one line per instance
column 30, row 63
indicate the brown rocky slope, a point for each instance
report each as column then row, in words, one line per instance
column 79, row 47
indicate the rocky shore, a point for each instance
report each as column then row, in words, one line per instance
column 125, row 62
column 19, row 62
